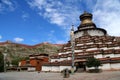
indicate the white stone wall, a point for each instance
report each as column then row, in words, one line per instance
column 67, row 52
column 79, row 34
column 95, row 33
column 64, row 67
column 87, row 68
column 108, row 42
column 53, row 60
column 109, row 55
column 89, row 43
column 64, row 53
column 46, row 68
column 111, row 48
column 78, row 50
column 69, row 58
column 115, row 66
column 61, row 53
column 117, row 55
column 106, row 66
column 99, row 43
column 90, row 32
column 79, row 44
column 105, row 48
column 31, row 68
column 117, row 47
column 55, row 69
column 90, row 49
column 112, row 66
column 98, row 56
column 62, row 59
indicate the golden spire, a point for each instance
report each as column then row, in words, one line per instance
column 86, row 18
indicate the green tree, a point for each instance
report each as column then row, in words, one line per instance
column 93, row 62
column 1, row 62
column 15, row 61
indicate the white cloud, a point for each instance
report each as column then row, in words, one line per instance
column 106, row 15
column 65, row 13
column 53, row 39
column 0, row 37
column 7, row 5
column 57, row 12
column 25, row 16
column 18, row 39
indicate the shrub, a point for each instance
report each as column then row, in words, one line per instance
column 93, row 62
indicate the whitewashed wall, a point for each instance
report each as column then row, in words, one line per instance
column 31, row 68
column 60, row 53
column 95, row 33
column 109, row 55
column 105, row 48
column 69, row 58
column 89, row 43
column 115, row 66
column 90, row 49
column 87, row 68
column 55, row 69
column 79, row 34
column 98, row 56
column 64, row 67
column 117, row 55
column 79, row 44
column 62, row 59
column 90, row 32
column 106, row 66
column 46, row 68
column 53, row 60
column 78, row 50
column 64, row 53
column 117, row 47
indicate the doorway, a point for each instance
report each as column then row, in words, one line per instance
column 80, row 67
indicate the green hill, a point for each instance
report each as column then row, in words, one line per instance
column 15, row 50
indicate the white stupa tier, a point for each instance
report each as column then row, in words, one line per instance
column 87, row 27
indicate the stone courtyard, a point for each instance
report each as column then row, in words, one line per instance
column 106, row 75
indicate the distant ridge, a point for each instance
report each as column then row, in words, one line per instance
column 14, row 50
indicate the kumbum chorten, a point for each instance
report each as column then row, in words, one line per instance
column 88, row 41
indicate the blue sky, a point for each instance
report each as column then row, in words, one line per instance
column 36, row 21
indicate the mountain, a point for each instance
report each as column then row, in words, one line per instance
column 16, row 50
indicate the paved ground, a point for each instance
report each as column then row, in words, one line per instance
column 111, row 75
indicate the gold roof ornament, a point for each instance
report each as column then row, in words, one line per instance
column 86, row 18
column 86, row 21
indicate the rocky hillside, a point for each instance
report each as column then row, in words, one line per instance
column 15, row 50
